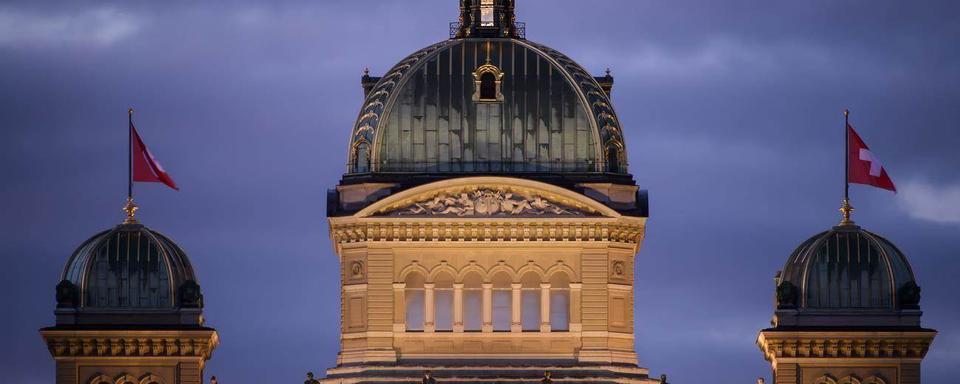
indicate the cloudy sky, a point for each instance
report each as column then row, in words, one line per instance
column 732, row 112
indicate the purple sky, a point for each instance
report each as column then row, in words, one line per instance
column 732, row 117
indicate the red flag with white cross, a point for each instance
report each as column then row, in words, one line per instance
column 863, row 166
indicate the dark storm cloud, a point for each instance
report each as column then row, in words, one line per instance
column 732, row 118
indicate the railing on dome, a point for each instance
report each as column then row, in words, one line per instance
column 480, row 166
column 519, row 26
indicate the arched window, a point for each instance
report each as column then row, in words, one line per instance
column 101, row 379
column 362, row 157
column 487, row 80
column 472, row 302
column 413, row 297
column 559, row 302
column 126, row 379
column 502, row 301
column 530, row 302
column 488, row 86
column 151, row 379
column 613, row 158
column 443, row 302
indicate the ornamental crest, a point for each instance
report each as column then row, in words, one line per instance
column 486, row 202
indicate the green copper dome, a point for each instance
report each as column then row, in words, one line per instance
column 487, row 105
column 847, row 271
column 129, row 268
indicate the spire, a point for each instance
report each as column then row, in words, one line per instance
column 487, row 18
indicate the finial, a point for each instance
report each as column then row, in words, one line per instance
column 131, row 209
column 760, row 380
column 366, row 71
column 846, row 209
column 130, row 111
column 846, row 113
column 608, row 71
column 213, row 380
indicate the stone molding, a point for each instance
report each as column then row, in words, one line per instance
column 64, row 343
column 844, row 345
column 344, row 232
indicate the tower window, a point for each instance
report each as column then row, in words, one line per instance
column 488, row 86
column 488, row 79
column 486, row 13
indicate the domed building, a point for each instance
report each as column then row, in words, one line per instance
column 129, row 310
column 847, row 311
column 486, row 225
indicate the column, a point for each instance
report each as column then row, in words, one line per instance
column 487, row 308
column 458, row 307
column 399, row 307
column 544, row 307
column 429, row 313
column 515, row 325
column 576, row 322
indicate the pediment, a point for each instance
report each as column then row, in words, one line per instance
column 487, row 202
column 487, row 197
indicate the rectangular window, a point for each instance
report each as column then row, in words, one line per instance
column 414, row 301
column 560, row 310
column 501, row 310
column 486, row 13
column 444, row 310
column 531, row 310
column 472, row 310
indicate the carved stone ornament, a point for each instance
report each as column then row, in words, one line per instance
column 617, row 269
column 356, row 270
column 485, row 202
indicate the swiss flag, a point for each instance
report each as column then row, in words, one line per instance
column 863, row 166
column 146, row 168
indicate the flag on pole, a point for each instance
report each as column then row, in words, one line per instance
column 145, row 167
column 863, row 167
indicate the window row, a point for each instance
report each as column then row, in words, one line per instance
column 501, row 304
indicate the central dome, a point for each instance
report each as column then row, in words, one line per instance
column 487, row 105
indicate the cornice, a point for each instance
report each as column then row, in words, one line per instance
column 124, row 343
column 845, row 344
column 486, row 230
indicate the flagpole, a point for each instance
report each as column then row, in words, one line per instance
column 130, row 208
column 130, row 153
column 846, row 155
column 845, row 208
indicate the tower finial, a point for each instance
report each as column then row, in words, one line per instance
column 846, row 210
column 131, row 209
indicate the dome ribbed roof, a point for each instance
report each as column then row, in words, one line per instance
column 128, row 268
column 427, row 115
column 847, row 269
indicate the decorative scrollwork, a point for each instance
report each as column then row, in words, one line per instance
column 485, row 202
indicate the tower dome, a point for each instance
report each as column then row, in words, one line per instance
column 847, row 271
column 486, row 101
column 125, row 271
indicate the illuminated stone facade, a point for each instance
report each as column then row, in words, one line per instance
column 486, row 227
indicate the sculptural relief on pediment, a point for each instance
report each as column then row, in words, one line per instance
column 486, row 202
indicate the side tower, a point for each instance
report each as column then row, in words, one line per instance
column 129, row 311
column 847, row 312
column 486, row 227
